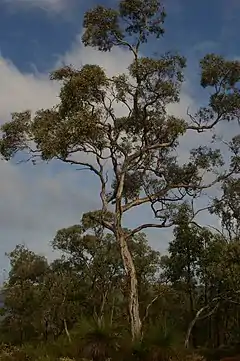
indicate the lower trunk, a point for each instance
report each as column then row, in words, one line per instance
column 136, row 324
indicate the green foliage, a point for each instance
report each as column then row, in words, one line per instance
column 161, row 342
column 227, row 208
column 99, row 343
column 107, row 27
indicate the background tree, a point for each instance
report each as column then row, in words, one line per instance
column 227, row 207
column 55, row 303
column 97, row 262
column 21, row 293
column 210, row 258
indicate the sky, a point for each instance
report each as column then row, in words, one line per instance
column 37, row 36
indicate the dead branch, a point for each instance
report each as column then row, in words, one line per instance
column 148, row 307
column 197, row 317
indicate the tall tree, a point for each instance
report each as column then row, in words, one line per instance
column 138, row 148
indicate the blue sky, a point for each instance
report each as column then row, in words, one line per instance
column 35, row 37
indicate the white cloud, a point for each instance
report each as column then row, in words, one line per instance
column 52, row 5
column 34, row 204
column 114, row 62
column 19, row 91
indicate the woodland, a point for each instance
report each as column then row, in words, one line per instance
column 110, row 295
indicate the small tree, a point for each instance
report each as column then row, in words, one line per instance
column 97, row 262
column 22, row 302
column 132, row 155
column 227, row 207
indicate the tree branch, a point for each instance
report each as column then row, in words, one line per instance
column 148, row 307
column 197, row 317
column 201, row 128
column 103, row 195
column 155, row 196
column 149, row 225
column 219, row 298
column 84, row 164
column 143, row 150
column 125, row 43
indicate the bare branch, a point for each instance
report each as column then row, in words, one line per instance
column 149, row 225
column 201, row 128
column 197, row 317
column 126, row 43
column 217, row 230
column 103, row 195
column 148, row 307
column 84, row 164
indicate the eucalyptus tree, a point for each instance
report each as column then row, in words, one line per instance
column 133, row 155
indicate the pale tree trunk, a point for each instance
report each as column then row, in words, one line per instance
column 136, row 324
column 66, row 330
